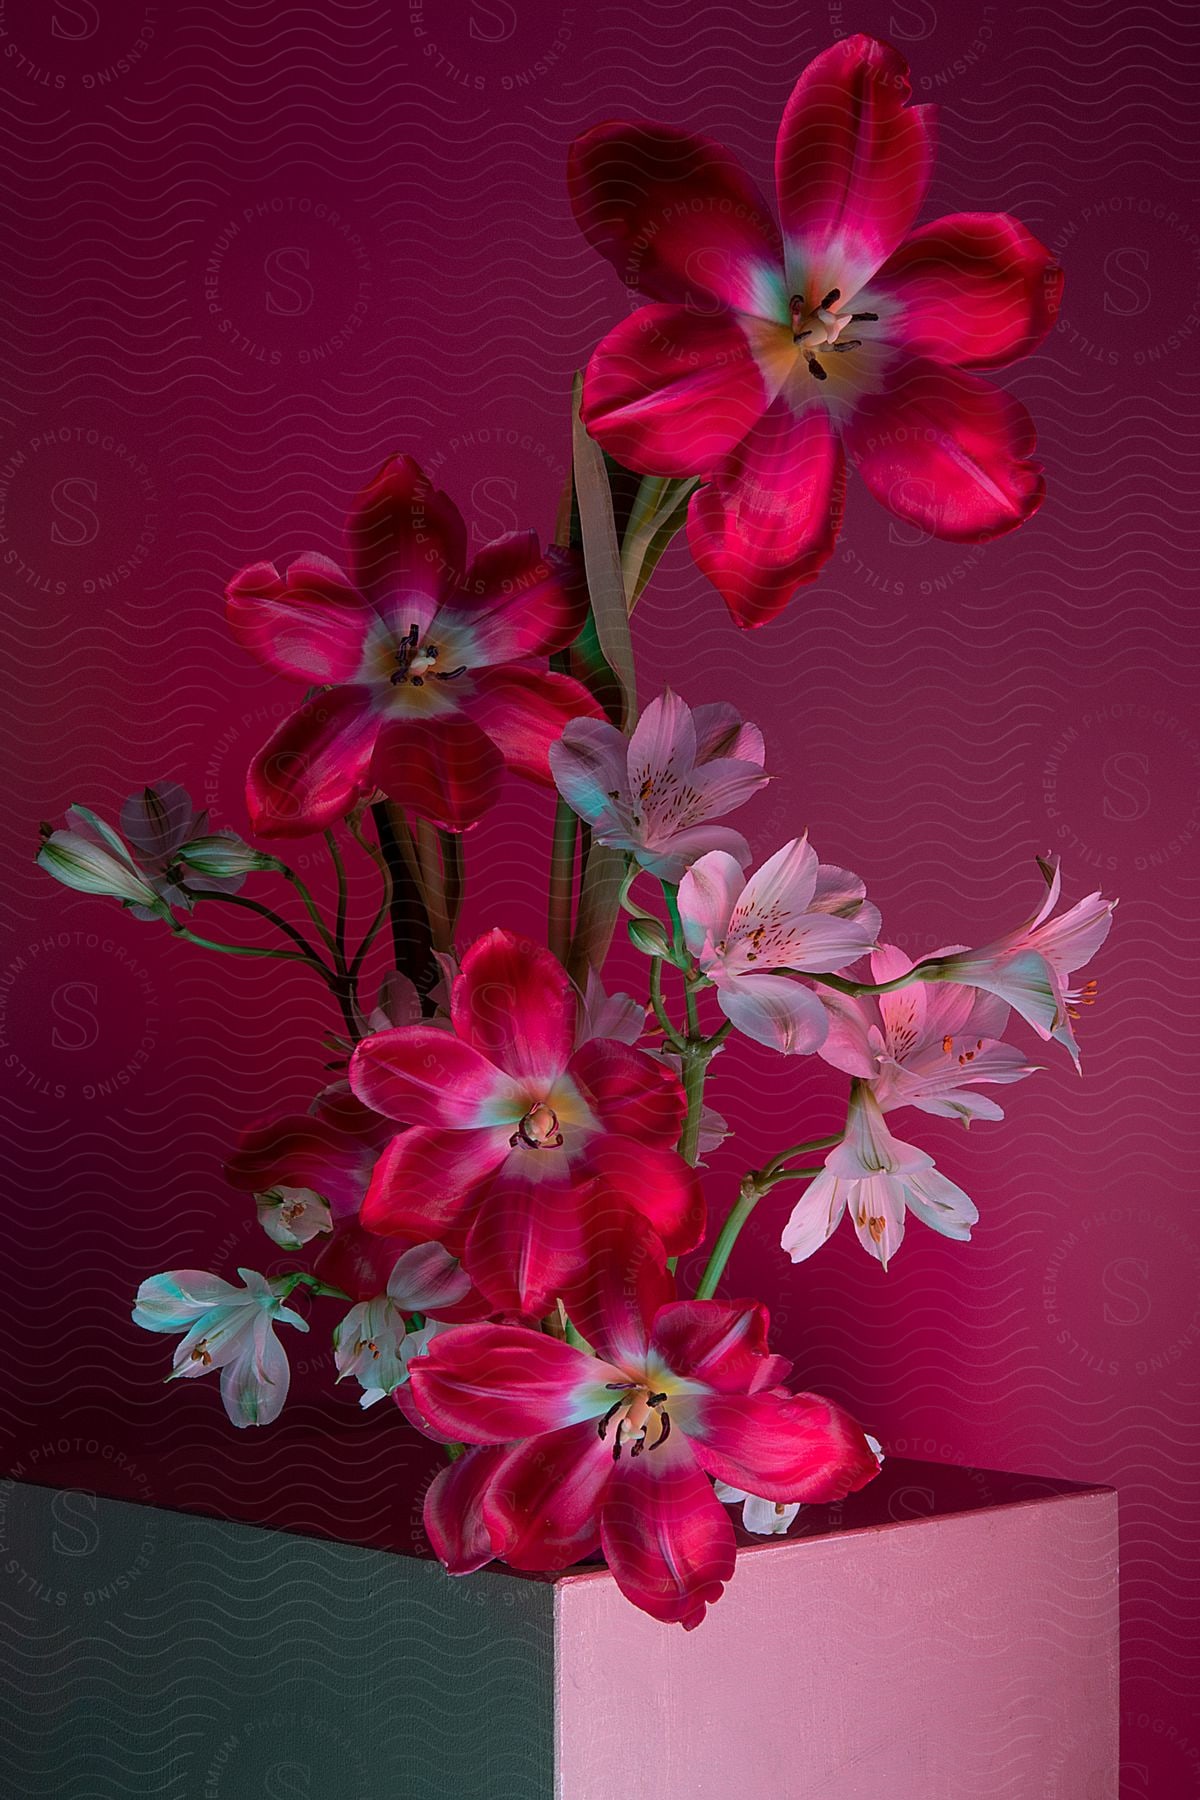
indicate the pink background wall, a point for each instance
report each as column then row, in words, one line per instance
column 257, row 248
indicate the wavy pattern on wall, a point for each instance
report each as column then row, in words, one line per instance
column 255, row 247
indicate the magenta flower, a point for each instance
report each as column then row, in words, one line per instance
column 617, row 1451
column 519, row 1131
column 765, row 358
column 1029, row 967
column 922, row 1047
column 656, row 793
column 879, row 1180
column 792, row 914
column 438, row 669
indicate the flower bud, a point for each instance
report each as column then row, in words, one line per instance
column 648, row 936
column 91, row 869
column 223, row 855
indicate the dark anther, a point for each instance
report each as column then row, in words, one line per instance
column 413, row 635
column 418, row 681
column 620, row 1387
column 850, row 344
column 665, row 1433
column 450, row 674
column 815, row 370
column 617, row 1449
column 398, row 677
column 854, row 317
column 798, row 337
column 796, row 303
column 636, row 1448
column 655, row 1399
column 614, row 1408
column 832, row 298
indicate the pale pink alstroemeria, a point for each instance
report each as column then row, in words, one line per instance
column 792, row 914
column 374, row 1343
column 921, row 1046
column 879, row 1179
column 657, row 792
column 1029, row 966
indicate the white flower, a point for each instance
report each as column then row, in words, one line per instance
column 373, row 1342
column 292, row 1216
column 226, row 1328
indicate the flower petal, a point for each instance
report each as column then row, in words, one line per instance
column 423, row 1179
column 655, row 1182
column 590, row 764
column 454, row 1510
column 667, row 1539
column 526, row 1241
column 779, row 1446
column 707, row 896
column 677, row 217
column 947, row 452
column 514, row 1004
column 937, row 1202
column 490, row 1384
column 774, row 1010
column 427, row 1279
column 721, row 731
column 671, row 392
column 444, row 769
column 314, row 768
column 408, row 545
column 523, row 712
column 543, row 1503
column 630, row 1091
column 175, row 1300
column 157, row 820
column 517, row 602
column 621, row 1285
column 719, row 1342
column 309, row 624
column 815, row 1216
column 852, row 163
column 424, row 1075
column 254, row 1384
column 767, row 522
column 877, row 1207
column 975, row 289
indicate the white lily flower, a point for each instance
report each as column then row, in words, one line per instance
column 226, row 1328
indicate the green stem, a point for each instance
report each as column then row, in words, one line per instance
column 695, row 1068
column 785, row 1156
column 562, row 879
column 265, row 912
column 856, row 988
column 313, row 961
column 673, row 1037
column 753, row 1187
column 313, row 911
column 378, row 858
column 340, row 926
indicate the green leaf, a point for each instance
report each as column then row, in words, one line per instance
column 602, row 560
